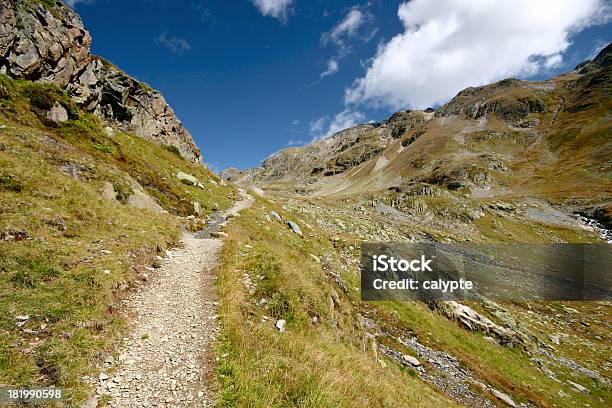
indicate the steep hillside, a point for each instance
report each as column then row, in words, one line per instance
column 336, row 154
column 83, row 216
column 45, row 41
column 98, row 179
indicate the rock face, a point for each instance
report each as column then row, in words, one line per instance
column 39, row 43
column 337, row 153
column 47, row 43
column 230, row 173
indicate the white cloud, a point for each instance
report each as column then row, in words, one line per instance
column 332, row 68
column 346, row 28
column 278, row 9
column 553, row 61
column 343, row 120
column 317, row 126
column 295, row 142
column 325, row 127
column 449, row 45
column 176, row 45
column 351, row 26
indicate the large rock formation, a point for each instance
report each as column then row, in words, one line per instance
column 337, row 153
column 46, row 41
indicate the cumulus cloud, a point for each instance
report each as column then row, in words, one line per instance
column 279, row 9
column 332, row 68
column 449, row 45
column 325, row 127
column 176, row 45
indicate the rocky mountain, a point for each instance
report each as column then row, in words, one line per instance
column 336, row 154
column 549, row 139
column 46, row 41
column 108, row 292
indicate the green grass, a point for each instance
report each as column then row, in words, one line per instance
column 509, row 370
column 154, row 167
column 67, row 254
column 309, row 365
column 173, row 149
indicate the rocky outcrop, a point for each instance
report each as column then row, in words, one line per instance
column 337, row 153
column 42, row 43
column 48, row 43
column 474, row 321
column 510, row 100
column 230, row 173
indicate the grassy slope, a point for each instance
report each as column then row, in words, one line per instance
column 562, row 156
column 263, row 367
column 328, row 363
column 66, row 235
column 569, row 163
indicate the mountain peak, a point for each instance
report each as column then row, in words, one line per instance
column 605, row 56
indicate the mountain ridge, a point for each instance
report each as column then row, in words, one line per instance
column 489, row 141
column 113, row 292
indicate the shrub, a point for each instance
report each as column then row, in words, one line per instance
column 103, row 148
column 173, row 149
column 8, row 183
column 42, row 97
column 123, row 191
column 145, row 87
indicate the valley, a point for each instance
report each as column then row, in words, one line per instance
column 132, row 275
column 499, row 163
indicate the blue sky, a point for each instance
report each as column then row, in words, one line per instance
column 250, row 77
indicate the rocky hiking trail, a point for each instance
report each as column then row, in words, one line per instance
column 167, row 357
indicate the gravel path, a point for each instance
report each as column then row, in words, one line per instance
column 167, row 360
